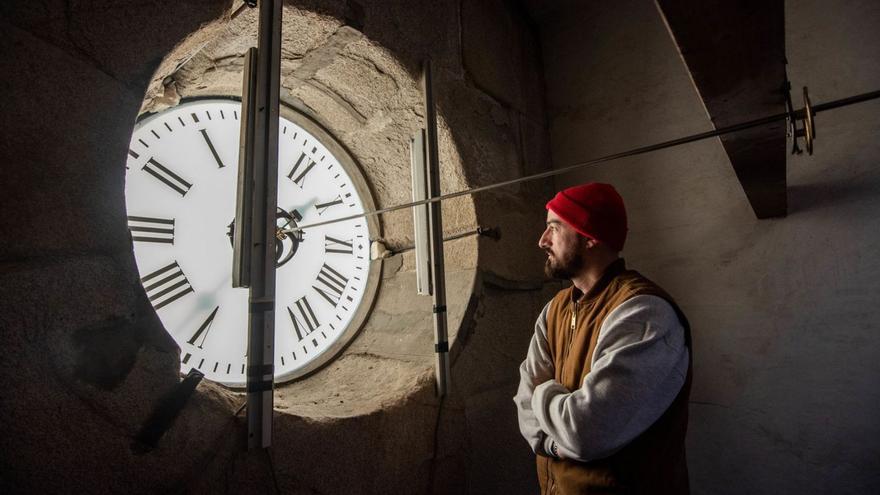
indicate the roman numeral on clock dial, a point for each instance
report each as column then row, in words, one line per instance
column 331, row 283
column 149, row 229
column 303, row 317
column 322, row 207
column 166, row 285
column 213, row 150
column 334, row 245
column 203, row 330
column 167, row 177
column 302, row 167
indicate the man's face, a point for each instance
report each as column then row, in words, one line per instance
column 565, row 248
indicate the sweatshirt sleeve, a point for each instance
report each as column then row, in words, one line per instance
column 535, row 370
column 639, row 366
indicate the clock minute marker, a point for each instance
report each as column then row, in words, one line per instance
column 213, row 150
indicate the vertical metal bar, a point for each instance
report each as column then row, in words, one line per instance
column 242, row 233
column 435, row 234
column 420, row 214
column 261, row 309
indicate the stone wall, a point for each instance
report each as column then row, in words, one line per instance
column 87, row 359
column 784, row 312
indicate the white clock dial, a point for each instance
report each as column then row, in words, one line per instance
column 180, row 195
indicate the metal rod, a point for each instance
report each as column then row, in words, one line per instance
column 852, row 100
column 261, row 307
column 488, row 232
column 435, row 236
column 166, row 411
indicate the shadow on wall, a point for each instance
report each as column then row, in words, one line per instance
column 810, row 197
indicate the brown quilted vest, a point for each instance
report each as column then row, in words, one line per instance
column 654, row 462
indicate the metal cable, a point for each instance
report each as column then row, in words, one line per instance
column 799, row 114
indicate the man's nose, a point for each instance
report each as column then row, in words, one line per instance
column 542, row 241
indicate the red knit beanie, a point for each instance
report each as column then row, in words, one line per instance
column 595, row 210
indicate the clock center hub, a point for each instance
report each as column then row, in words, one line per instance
column 287, row 242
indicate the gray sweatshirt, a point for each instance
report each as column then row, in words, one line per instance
column 637, row 369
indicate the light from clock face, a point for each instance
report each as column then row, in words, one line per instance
column 180, row 194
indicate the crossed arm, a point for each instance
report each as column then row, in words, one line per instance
column 639, row 366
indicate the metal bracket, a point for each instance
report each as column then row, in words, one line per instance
column 807, row 130
column 165, row 413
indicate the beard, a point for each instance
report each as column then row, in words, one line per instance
column 566, row 266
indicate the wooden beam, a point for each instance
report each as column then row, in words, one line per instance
column 735, row 52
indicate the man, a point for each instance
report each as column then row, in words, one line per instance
column 603, row 391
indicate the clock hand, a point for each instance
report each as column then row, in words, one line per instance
column 293, row 215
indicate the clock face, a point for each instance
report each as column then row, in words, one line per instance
column 180, row 194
